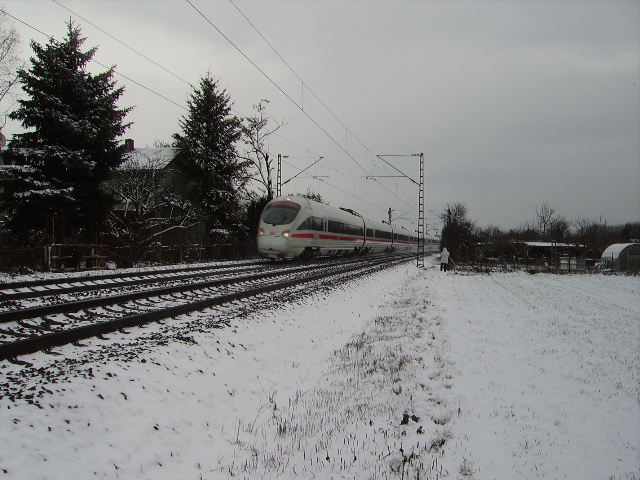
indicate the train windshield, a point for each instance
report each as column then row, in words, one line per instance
column 280, row 213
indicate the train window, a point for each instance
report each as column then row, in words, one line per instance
column 280, row 213
column 383, row 234
column 370, row 233
column 334, row 226
column 312, row 223
column 353, row 230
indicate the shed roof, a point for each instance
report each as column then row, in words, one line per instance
column 616, row 249
column 547, row 244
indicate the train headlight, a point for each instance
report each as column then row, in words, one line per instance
column 261, row 231
column 286, row 234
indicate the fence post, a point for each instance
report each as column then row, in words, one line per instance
column 47, row 257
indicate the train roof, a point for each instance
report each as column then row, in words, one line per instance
column 336, row 212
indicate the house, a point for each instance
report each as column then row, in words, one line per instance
column 153, row 214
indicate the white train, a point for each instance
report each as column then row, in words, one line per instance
column 296, row 227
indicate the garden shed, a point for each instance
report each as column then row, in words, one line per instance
column 621, row 257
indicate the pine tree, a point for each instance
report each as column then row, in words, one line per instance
column 215, row 175
column 73, row 146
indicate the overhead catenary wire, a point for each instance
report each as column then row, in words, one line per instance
column 274, row 83
column 333, row 167
column 304, row 84
column 123, row 43
column 52, row 39
column 140, row 54
column 119, row 73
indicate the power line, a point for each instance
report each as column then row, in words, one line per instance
column 299, row 78
column 143, row 56
column 123, row 43
column 275, row 84
column 52, row 39
column 188, row 83
column 319, row 100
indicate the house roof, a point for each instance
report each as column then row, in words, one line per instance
column 150, row 158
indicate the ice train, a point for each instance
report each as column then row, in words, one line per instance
column 296, row 227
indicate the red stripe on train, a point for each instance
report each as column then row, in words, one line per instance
column 302, row 235
column 336, row 237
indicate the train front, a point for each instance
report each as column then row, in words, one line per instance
column 275, row 229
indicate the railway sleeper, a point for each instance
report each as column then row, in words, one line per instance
column 47, row 341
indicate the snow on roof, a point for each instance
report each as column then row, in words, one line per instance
column 548, row 244
column 616, row 249
column 151, row 158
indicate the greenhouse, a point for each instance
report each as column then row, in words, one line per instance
column 621, row 257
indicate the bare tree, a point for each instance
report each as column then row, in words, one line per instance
column 10, row 63
column 147, row 206
column 256, row 132
column 544, row 217
column 559, row 229
column 458, row 231
column 581, row 229
column 311, row 195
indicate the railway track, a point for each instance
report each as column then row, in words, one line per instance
column 43, row 314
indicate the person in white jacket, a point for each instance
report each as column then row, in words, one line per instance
column 444, row 259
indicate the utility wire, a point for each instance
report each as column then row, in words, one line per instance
column 188, row 83
column 122, row 43
column 329, row 184
column 299, row 78
column 52, row 39
column 145, row 57
column 319, row 100
column 276, row 85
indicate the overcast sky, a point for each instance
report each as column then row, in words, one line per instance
column 512, row 103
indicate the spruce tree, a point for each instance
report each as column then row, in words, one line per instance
column 214, row 174
column 70, row 148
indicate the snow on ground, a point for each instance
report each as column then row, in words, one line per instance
column 410, row 373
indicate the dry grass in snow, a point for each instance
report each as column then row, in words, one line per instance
column 407, row 374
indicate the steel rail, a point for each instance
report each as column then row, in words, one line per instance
column 96, row 285
column 50, row 340
column 146, row 277
column 127, row 283
column 77, row 305
column 110, row 276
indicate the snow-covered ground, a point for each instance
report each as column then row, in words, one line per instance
column 410, row 373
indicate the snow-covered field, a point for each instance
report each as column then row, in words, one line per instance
column 411, row 373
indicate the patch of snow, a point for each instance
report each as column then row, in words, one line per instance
column 404, row 373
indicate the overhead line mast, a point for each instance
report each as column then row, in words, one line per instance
column 421, row 185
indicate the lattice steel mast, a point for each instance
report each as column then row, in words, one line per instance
column 421, row 226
